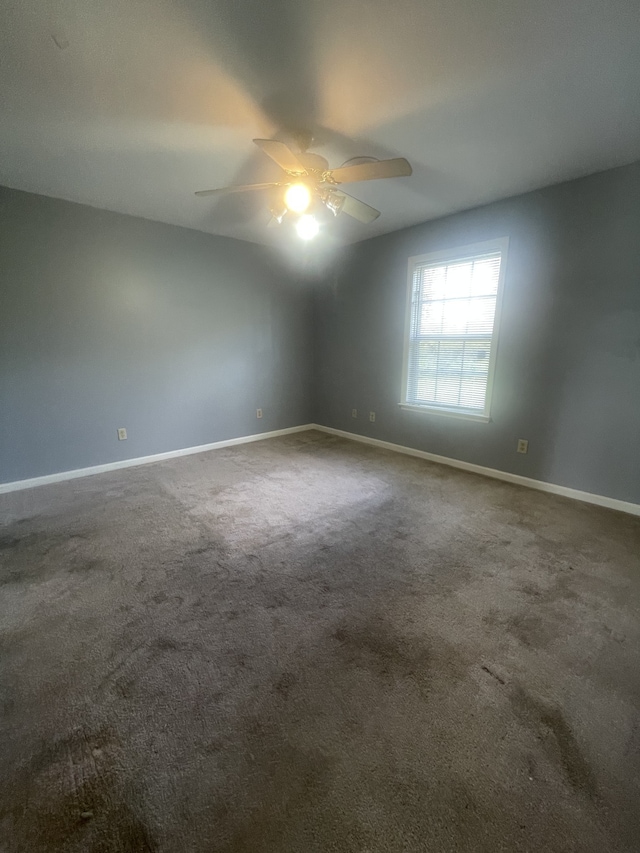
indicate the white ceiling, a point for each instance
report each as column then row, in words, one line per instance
column 141, row 102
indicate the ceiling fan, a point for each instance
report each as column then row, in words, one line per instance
column 308, row 178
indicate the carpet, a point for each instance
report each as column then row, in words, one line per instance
column 307, row 644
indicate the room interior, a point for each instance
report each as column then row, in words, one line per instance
column 319, row 496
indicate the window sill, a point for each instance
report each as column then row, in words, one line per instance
column 451, row 413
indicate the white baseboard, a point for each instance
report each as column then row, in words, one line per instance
column 144, row 460
column 540, row 485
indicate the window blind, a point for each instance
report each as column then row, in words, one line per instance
column 451, row 333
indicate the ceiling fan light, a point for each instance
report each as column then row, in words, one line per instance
column 298, row 198
column 307, row 227
column 335, row 203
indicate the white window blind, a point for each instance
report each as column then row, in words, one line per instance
column 451, row 336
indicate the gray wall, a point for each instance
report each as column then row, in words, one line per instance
column 568, row 369
column 111, row 321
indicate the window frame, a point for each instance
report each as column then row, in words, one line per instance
column 448, row 256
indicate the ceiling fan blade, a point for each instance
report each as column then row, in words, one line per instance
column 356, row 208
column 396, row 168
column 282, row 154
column 239, row 189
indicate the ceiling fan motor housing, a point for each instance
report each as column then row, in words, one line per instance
column 313, row 162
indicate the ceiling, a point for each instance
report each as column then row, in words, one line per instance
column 132, row 105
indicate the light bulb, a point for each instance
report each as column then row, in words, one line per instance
column 307, row 227
column 298, row 198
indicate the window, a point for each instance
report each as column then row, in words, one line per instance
column 453, row 309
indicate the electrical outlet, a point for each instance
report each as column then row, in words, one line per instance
column 372, row 417
column 354, row 413
column 523, row 445
column 258, row 413
column 122, row 434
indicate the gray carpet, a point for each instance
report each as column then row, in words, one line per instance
column 306, row 644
